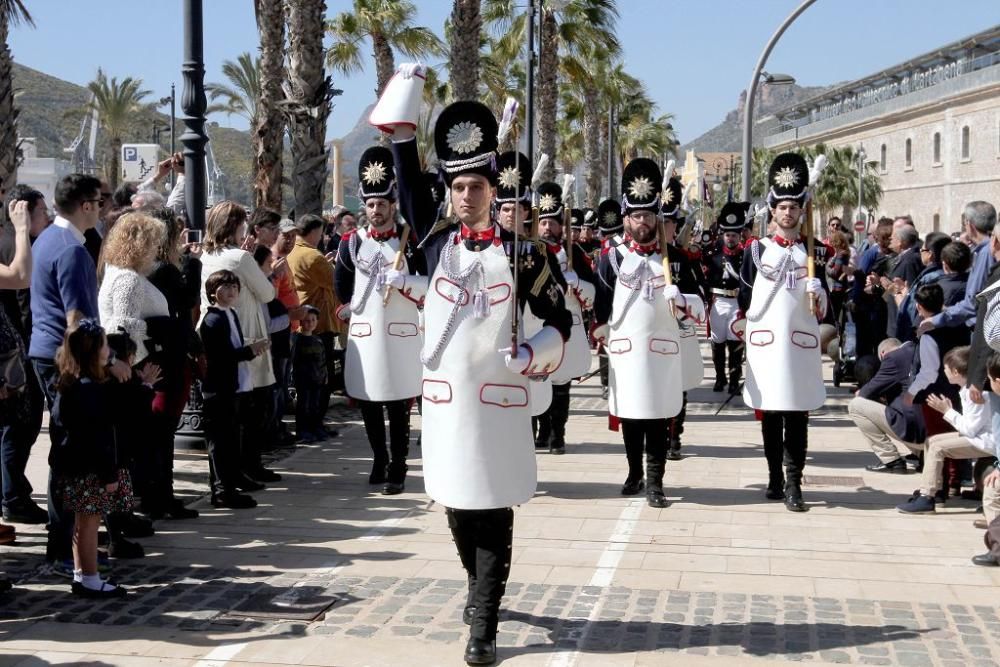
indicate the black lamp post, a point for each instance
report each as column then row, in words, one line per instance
column 194, row 103
column 172, row 101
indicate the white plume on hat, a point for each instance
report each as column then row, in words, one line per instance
column 507, row 120
column 668, row 173
column 819, row 164
column 567, row 191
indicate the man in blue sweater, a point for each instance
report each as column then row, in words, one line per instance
column 63, row 291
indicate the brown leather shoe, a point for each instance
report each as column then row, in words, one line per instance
column 979, row 524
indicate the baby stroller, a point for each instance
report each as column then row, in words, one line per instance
column 845, row 354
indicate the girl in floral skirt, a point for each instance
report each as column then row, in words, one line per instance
column 90, row 475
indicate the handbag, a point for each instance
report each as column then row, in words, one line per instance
column 13, row 374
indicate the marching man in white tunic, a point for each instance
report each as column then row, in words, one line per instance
column 783, row 307
column 477, row 447
column 375, row 278
column 636, row 313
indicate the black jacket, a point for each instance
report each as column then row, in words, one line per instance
column 888, row 385
column 91, row 416
column 979, row 353
column 223, row 358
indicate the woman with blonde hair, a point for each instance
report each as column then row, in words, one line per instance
column 126, row 298
column 228, row 248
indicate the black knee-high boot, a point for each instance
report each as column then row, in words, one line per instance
column 559, row 415
column 735, row 365
column 399, row 445
column 719, row 361
column 772, row 429
column 374, row 419
column 795, row 447
column 634, row 435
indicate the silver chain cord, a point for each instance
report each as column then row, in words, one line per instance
column 777, row 276
column 373, row 267
column 447, row 264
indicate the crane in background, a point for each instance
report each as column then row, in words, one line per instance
column 83, row 153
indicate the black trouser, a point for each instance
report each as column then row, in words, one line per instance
column 399, row 435
column 17, row 435
column 735, row 349
column 602, row 363
column 675, row 425
column 309, row 408
column 484, row 539
column 649, row 435
column 334, row 380
column 222, row 429
column 59, row 545
column 785, row 441
column 254, row 410
column 552, row 422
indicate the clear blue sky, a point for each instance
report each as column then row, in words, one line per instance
column 712, row 45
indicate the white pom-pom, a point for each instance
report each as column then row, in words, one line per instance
column 668, row 172
column 507, row 120
column 567, row 189
column 817, row 170
column 536, row 178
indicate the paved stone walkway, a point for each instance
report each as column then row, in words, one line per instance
column 327, row 572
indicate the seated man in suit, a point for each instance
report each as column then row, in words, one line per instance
column 880, row 412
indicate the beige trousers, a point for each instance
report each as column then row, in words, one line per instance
column 991, row 503
column 945, row 446
column 869, row 416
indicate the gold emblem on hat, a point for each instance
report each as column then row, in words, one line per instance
column 510, row 178
column 464, row 137
column 786, row 178
column 374, row 173
column 547, row 202
column 668, row 196
column 610, row 218
column 640, row 187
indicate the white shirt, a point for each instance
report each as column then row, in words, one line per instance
column 66, row 224
column 973, row 423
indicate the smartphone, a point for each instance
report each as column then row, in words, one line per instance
column 192, row 236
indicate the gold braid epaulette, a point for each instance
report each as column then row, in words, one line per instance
column 546, row 272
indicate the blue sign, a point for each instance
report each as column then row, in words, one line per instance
column 130, row 153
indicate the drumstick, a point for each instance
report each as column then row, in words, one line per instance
column 397, row 263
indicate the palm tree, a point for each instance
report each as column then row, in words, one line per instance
column 308, row 92
column 646, row 136
column 116, row 104
column 838, row 187
column 269, row 128
column 241, row 95
column 577, row 24
column 388, row 24
column 464, row 34
column 12, row 13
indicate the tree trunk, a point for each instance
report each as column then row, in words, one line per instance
column 592, row 146
column 307, row 103
column 548, row 92
column 269, row 132
column 385, row 62
column 114, row 163
column 466, row 25
column 8, row 115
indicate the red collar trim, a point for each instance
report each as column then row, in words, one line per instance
column 731, row 253
column 554, row 248
column 487, row 235
column 642, row 249
column 383, row 236
column 785, row 243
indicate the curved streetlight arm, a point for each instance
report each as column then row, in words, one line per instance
column 752, row 92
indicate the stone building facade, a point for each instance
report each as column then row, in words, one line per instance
column 931, row 125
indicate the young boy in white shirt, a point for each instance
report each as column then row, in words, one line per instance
column 972, row 440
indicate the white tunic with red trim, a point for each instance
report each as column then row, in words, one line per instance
column 478, row 452
column 382, row 360
column 784, row 366
column 643, row 343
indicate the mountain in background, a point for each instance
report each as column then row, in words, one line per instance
column 727, row 136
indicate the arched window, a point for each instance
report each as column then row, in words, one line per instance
column 936, row 222
column 937, row 148
column 965, row 143
column 909, row 153
column 882, row 162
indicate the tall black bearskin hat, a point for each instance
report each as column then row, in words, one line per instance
column 550, row 201
column 641, row 186
column 671, row 197
column 513, row 178
column 609, row 216
column 734, row 216
column 465, row 139
column 376, row 176
column 788, row 178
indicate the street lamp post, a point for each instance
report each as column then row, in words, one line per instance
column 529, row 94
column 752, row 91
column 172, row 101
column 193, row 103
column 861, row 183
column 611, row 150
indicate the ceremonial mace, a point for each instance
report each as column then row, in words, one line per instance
column 397, row 263
column 668, row 278
column 536, row 180
column 814, row 174
column 507, row 122
column 568, row 180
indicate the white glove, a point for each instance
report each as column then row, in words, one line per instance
column 670, row 292
column 343, row 312
column 394, row 278
column 694, row 307
column 519, row 364
column 814, row 286
column 572, row 279
column 407, row 70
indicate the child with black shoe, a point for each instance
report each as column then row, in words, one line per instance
column 87, row 467
column 226, row 377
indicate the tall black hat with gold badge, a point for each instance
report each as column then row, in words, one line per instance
column 788, row 178
column 576, row 218
column 609, row 217
column 376, row 176
column 671, row 196
column 513, row 178
column 641, row 186
column 465, row 139
column 550, row 200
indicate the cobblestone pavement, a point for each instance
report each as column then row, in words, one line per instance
column 327, row 572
